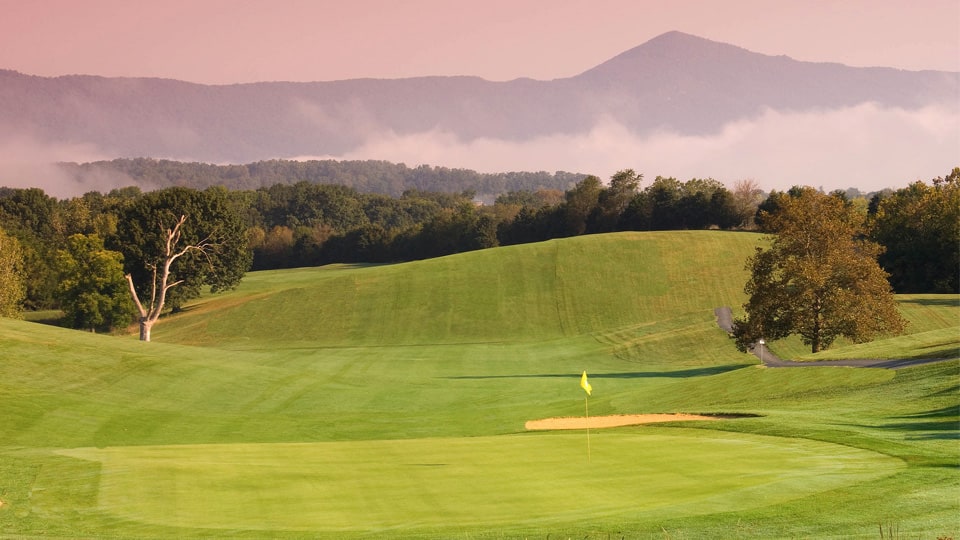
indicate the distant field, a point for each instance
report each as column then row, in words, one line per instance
column 390, row 401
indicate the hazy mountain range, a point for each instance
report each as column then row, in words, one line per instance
column 676, row 93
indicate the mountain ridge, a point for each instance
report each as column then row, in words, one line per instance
column 675, row 82
column 665, row 43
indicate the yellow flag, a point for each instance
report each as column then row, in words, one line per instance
column 585, row 384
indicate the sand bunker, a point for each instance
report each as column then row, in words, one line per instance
column 615, row 420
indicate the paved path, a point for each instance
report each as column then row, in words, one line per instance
column 725, row 321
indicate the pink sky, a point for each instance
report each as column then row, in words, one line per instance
column 228, row 41
column 237, row 41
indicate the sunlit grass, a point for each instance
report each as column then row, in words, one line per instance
column 390, row 402
column 932, row 331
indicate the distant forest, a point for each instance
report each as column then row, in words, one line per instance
column 298, row 219
column 366, row 176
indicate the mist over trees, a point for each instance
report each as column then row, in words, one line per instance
column 367, row 176
column 297, row 223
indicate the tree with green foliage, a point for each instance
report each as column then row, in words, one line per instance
column 581, row 201
column 771, row 207
column 174, row 242
column 30, row 215
column 13, row 287
column 920, row 227
column 614, row 199
column 93, row 291
column 452, row 230
column 819, row 279
column 664, row 195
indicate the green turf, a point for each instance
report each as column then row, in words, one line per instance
column 389, row 401
column 532, row 292
column 932, row 331
column 474, row 481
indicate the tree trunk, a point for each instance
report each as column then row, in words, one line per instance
column 145, row 326
column 815, row 338
column 160, row 283
column 815, row 341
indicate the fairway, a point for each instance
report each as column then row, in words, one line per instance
column 481, row 481
column 392, row 401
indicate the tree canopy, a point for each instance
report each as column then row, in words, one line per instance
column 93, row 290
column 305, row 219
column 819, row 279
column 174, row 242
column 12, row 282
column 920, row 227
column 369, row 176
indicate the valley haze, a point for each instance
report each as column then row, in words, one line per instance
column 678, row 105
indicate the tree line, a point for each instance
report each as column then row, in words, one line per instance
column 54, row 248
column 367, row 176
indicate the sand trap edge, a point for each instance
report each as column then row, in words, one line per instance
column 614, row 420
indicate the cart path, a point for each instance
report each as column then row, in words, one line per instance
column 725, row 321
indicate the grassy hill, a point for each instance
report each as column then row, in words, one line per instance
column 555, row 289
column 390, row 401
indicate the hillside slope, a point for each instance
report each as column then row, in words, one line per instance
column 271, row 360
column 531, row 292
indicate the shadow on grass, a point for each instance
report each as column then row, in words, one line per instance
column 948, row 391
column 952, row 436
column 954, row 301
column 50, row 317
column 923, row 431
column 927, row 425
column 681, row 374
column 952, row 410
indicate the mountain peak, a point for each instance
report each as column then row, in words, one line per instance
column 676, row 38
column 676, row 41
column 672, row 48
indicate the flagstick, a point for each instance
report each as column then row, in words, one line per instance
column 586, row 407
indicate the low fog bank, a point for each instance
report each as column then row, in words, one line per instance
column 28, row 163
column 867, row 147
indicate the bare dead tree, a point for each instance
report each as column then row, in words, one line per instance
column 160, row 285
column 747, row 196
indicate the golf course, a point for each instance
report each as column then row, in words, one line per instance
column 392, row 401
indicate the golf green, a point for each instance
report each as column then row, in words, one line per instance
column 479, row 481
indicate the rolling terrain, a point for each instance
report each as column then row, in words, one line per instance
column 390, row 401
